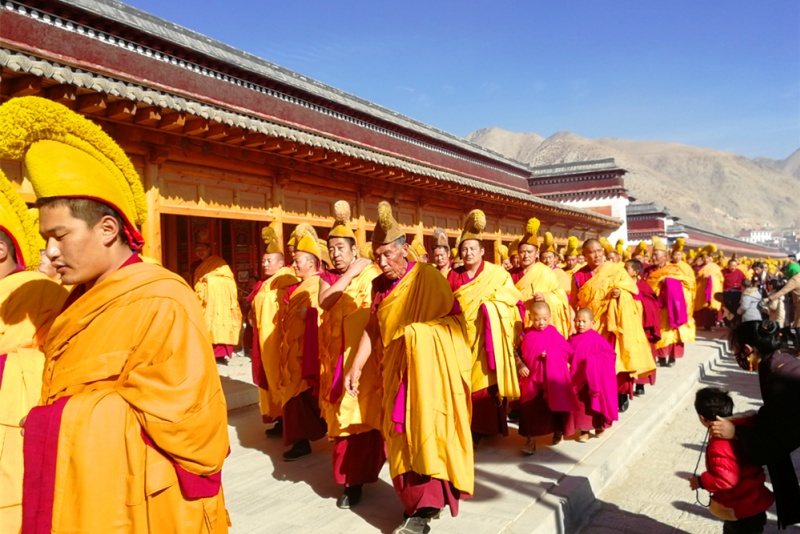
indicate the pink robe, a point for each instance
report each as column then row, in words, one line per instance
column 594, row 378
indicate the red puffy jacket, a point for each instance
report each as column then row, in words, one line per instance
column 734, row 484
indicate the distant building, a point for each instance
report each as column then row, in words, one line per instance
column 763, row 235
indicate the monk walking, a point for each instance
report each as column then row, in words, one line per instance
column 425, row 369
column 29, row 302
column 131, row 432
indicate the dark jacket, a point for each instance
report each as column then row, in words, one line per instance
column 776, row 432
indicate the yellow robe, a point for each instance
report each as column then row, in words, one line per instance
column 133, row 356
column 494, row 288
column 268, row 306
column 564, row 280
column 709, row 274
column 216, row 288
column 29, row 302
column 293, row 331
column 686, row 332
column 541, row 279
column 620, row 317
column 339, row 336
column 419, row 340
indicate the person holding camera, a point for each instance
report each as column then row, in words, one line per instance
column 750, row 303
column 775, row 433
column 792, row 287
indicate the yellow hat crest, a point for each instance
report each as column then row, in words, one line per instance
column 473, row 226
column 365, row 251
column 620, row 247
column 307, row 240
column 640, row 250
column 387, row 230
column 18, row 223
column 607, row 246
column 270, row 237
column 418, row 247
column 680, row 243
column 573, row 247
column 548, row 243
column 341, row 225
column 440, row 238
column 503, row 251
column 658, row 244
column 531, row 235
column 513, row 248
column 69, row 156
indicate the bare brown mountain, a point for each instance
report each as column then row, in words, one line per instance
column 717, row 190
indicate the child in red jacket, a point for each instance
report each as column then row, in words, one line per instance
column 738, row 494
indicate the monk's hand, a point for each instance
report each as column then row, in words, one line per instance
column 722, row 428
column 357, row 266
column 538, row 297
column 351, row 381
column 694, row 482
column 615, row 293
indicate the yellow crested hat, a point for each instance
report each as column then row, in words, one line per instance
column 440, row 238
column 620, row 247
column 307, row 240
column 692, row 254
column 573, row 247
column 503, row 251
column 270, row 237
column 640, row 250
column 418, row 247
column 548, row 244
column 531, row 235
column 473, row 226
column 607, row 246
column 365, row 251
column 341, row 225
column 71, row 157
column 707, row 250
column 20, row 226
column 658, row 244
column 387, row 230
column 513, row 248
column 679, row 245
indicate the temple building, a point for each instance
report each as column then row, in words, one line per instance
column 227, row 142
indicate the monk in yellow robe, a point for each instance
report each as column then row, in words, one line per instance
column 538, row 283
column 215, row 286
column 675, row 289
column 441, row 251
column 609, row 291
column 29, row 302
column 266, row 316
column 299, row 353
column 354, row 424
column 488, row 301
column 131, row 432
column 548, row 255
column 709, row 283
column 425, row 368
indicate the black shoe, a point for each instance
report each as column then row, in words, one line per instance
column 222, row 361
column 671, row 361
column 512, row 416
column 299, row 450
column 639, row 391
column 276, row 431
column 662, row 362
column 624, row 403
column 476, row 439
column 350, row 497
column 413, row 525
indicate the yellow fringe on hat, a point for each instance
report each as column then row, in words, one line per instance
column 341, row 225
column 531, row 235
column 270, row 238
column 365, row 251
column 607, row 246
column 513, row 247
column 307, row 240
column 69, row 156
column 573, row 247
column 503, row 251
column 473, row 226
column 679, row 245
column 20, row 225
column 548, row 243
column 440, row 238
column 658, row 244
column 387, row 229
column 640, row 250
column 620, row 248
column 418, row 247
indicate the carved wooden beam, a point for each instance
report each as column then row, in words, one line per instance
column 147, row 116
column 91, row 104
column 26, row 85
column 172, row 122
column 121, row 110
column 64, row 93
column 196, row 126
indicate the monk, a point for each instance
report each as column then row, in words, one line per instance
column 538, row 283
column 709, row 283
column 425, row 368
column 216, row 288
column 489, row 301
column 299, row 353
column 649, row 308
column 353, row 423
column 29, row 302
column 131, row 432
column 441, row 251
column 608, row 290
column 267, row 305
column 571, row 258
column 674, row 287
column 548, row 255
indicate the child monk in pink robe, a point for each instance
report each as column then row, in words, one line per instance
column 547, row 397
column 594, row 378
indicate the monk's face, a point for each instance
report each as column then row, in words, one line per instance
column 78, row 253
column 581, row 259
column 507, row 265
column 541, row 318
column 659, row 258
column 471, row 252
column 528, row 254
column 270, row 263
column 441, row 257
column 548, row 258
column 342, row 253
column 613, row 257
column 595, row 254
column 732, row 265
column 514, row 261
column 676, row 256
column 202, row 250
column 583, row 322
column 305, row 265
column 571, row 261
column 391, row 258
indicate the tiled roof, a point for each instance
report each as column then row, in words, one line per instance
column 576, row 167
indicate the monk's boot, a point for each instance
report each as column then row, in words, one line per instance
column 276, row 431
column 350, row 497
column 413, row 525
column 639, row 391
column 299, row 450
column 624, row 402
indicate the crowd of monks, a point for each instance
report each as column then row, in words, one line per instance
column 112, row 416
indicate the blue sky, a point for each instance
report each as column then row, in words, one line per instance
column 716, row 74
